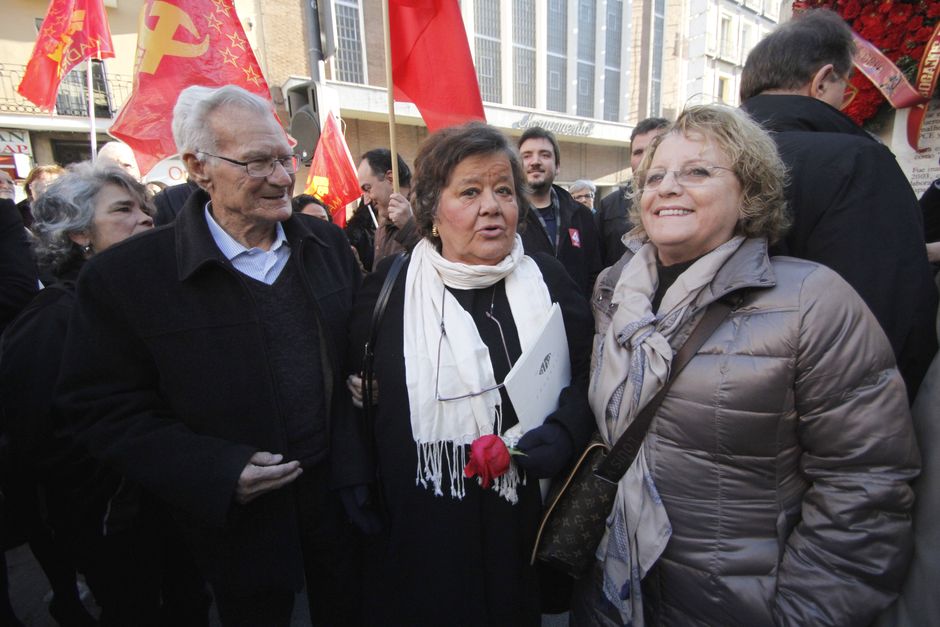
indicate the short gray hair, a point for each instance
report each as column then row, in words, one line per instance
column 582, row 184
column 191, row 129
column 68, row 207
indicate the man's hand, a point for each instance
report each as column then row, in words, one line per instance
column 933, row 252
column 399, row 210
column 264, row 473
column 354, row 384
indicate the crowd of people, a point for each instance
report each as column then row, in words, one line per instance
column 188, row 419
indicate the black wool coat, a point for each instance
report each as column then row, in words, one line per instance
column 581, row 258
column 165, row 377
column 613, row 220
column 854, row 211
column 18, row 275
column 443, row 560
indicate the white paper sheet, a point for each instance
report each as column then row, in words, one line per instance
column 540, row 374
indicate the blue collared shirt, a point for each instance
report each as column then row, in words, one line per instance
column 262, row 265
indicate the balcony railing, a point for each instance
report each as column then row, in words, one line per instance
column 110, row 92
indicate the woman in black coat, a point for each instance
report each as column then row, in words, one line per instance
column 105, row 525
column 455, row 547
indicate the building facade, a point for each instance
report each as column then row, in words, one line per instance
column 586, row 69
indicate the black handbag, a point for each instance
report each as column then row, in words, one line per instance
column 368, row 355
column 578, row 506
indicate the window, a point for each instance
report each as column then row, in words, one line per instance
column 585, row 90
column 72, row 98
column 745, row 41
column 557, row 60
column 725, row 41
column 523, row 53
column 612, row 50
column 488, row 50
column 587, row 10
column 656, row 71
column 349, row 65
column 612, row 95
column 724, row 90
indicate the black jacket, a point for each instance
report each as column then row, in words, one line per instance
column 582, row 259
column 613, row 220
column 18, row 275
column 171, row 200
column 854, row 211
column 166, row 378
column 458, row 561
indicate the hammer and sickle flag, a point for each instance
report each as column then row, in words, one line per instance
column 181, row 43
column 333, row 178
column 71, row 32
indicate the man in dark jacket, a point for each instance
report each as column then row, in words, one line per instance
column 613, row 214
column 396, row 231
column 17, row 267
column 555, row 223
column 203, row 361
column 852, row 207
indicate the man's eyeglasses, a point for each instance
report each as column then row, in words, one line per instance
column 689, row 176
column 437, row 378
column 262, row 168
column 583, row 197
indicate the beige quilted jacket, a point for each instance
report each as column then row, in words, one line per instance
column 783, row 454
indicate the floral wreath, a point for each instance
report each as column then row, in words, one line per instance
column 901, row 29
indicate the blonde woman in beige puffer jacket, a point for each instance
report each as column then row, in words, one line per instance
column 772, row 487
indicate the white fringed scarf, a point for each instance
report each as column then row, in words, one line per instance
column 631, row 362
column 442, row 429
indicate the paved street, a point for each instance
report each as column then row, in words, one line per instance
column 29, row 593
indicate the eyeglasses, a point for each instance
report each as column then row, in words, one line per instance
column 440, row 342
column 262, row 168
column 580, row 197
column 689, row 176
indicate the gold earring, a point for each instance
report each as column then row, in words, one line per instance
column 434, row 232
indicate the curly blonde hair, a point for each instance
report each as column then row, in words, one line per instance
column 754, row 160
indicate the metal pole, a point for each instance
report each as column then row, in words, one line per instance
column 91, row 113
column 314, row 50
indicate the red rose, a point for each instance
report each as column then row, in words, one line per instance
column 489, row 458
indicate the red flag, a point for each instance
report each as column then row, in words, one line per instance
column 72, row 31
column 181, row 43
column 333, row 178
column 431, row 63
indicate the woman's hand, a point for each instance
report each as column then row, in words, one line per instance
column 546, row 450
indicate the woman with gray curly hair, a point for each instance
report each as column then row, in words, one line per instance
column 82, row 213
column 771, row 487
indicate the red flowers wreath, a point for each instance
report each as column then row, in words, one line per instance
column 900, row 28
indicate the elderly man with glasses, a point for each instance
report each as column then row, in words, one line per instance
column 202, row 363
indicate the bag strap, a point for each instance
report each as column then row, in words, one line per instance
column 625, row 450
column 368, row 357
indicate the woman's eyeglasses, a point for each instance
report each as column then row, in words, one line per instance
column 440, row 342
column 689, row 176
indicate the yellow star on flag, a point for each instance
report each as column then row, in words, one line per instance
column 229, row 57
column 251, row 75
column 237, row 41
column 214, row 22
column 222, row 7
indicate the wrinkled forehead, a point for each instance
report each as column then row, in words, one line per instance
column 240, row 129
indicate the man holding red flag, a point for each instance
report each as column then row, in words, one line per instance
column 73, row 31
column 182, row 43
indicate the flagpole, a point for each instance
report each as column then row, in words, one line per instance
column 91, row 113
column 391, row 95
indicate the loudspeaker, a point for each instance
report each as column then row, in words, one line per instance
column 304, row 119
